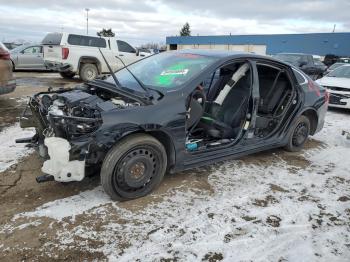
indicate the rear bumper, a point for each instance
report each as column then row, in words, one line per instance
column 58, row 67
column 7, row 87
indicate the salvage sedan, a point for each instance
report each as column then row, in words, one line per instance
column 170, row 112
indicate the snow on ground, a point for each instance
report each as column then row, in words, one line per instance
column 260, row 208
column 10, row 152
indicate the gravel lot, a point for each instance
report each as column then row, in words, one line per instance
column 271, row 206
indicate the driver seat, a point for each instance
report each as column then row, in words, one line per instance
column 224, row 121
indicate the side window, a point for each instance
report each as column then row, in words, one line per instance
column 125, row 47
column 301, row 79
column 210, row 81
column 32, row 50
column 86, row 41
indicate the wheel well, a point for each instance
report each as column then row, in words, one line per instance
column 168, row 145
column 90, row 60
column 313, row 118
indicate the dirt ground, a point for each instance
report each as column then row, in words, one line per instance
column 251, row 197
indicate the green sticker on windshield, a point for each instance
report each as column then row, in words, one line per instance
column 167, row 77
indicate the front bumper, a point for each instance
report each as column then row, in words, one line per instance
column 59, row 67
column 339, row 99
column 59, row 165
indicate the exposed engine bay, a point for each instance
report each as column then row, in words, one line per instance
column 76, row 112
column 62, row 116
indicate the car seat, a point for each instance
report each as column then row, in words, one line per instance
column 224, row 121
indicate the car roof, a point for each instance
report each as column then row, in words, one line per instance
column 293, row 54
column 225, row 55
column 211, row 52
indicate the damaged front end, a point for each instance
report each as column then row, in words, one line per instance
column 65, row 123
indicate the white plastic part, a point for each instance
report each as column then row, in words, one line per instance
column 59, row 165
column 241, row 71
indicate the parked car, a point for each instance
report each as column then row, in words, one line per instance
column 334, row 66
column 307, row 63
column 11, row 45
column 28, row 57
column 144, row 52
column 72, row 54
column 337, row 83
column 172, row 111
column 7, row 81
column 344, row 60
column 330, row 59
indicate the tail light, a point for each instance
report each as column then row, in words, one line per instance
column 314, row 87
column 65, row 52
column 326, row 96
column 4, row 54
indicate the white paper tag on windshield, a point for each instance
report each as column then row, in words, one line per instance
column 174, row 72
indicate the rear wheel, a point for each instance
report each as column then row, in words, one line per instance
column 67, row 75
column 298, row 137
column 88, row 72
column 133, row 167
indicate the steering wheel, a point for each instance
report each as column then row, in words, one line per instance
column 199, row 95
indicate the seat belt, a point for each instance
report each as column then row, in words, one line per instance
column 241, row 71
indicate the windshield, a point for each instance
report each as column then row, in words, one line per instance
column 343, row 71
column 167, row 70
column 336, row 65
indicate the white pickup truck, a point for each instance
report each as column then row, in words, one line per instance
column 71, row 54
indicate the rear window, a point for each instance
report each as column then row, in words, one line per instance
column 52, row 39
column 300, row 77
column 86, row 41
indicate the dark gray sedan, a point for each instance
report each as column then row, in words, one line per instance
column 28, row 57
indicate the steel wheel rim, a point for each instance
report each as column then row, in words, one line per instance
column 135, row 171
column 300, row 135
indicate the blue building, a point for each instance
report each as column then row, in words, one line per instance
column 314, row 43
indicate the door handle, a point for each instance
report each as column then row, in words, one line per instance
column 121, row 55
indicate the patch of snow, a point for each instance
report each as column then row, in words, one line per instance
column 8, row 229
column 10, row 152
column 70, row 206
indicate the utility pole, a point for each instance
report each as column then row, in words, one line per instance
column 87, row 20
column 334, row 28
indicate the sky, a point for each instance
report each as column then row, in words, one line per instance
column 148, row 21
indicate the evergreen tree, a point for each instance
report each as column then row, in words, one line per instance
column 106, row 33
column 185, row 30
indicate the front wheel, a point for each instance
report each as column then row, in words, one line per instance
column 301, row 131
column 134, row 167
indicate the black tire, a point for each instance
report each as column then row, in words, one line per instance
column 88, row 72
column 67, row 75
column 134, row 167
column 299, row 135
